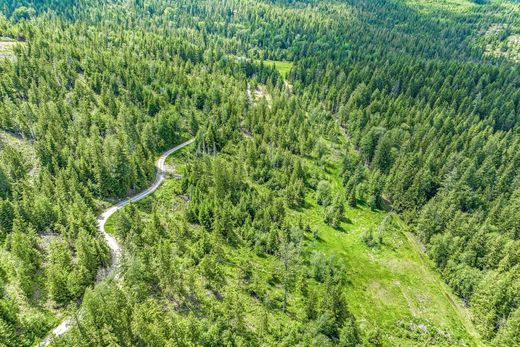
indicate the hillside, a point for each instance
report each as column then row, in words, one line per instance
column 390, row 287
column 353, row 177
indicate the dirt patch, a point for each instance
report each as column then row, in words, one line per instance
column 379, row 292
column 398, row 265
column 494, row 29
column 514, row 39
column 246, row 133
column 260, row 92
column 288, row 87
column 7, row 48
column 45, row 240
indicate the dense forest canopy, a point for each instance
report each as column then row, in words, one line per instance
column 416, row 103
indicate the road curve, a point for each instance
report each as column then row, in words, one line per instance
column 113, row 244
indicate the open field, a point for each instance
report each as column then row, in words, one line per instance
column 392, row 287
column 389, row 286
column 283, row 67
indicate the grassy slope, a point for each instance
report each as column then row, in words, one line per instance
column 392, row 287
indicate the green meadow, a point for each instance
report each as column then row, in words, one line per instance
column 391, row 287
column 283, row 67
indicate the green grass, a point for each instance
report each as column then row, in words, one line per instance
column 389, row 286
column 392, row 287
column 283, row 67
column 178, row 159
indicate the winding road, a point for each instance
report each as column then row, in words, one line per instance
column 115, row 248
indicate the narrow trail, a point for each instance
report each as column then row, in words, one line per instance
column 115, row 247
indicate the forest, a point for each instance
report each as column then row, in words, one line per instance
column 354, row 178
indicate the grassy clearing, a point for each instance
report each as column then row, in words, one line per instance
column 391, row 287
column 283, row 67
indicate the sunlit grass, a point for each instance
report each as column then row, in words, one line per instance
column 392, row 286
column 283, row 67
